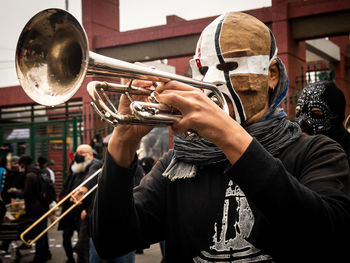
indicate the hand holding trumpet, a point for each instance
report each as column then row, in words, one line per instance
column 198, row 112
column 128, row 137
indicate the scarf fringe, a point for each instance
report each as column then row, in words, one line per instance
column 180, row 170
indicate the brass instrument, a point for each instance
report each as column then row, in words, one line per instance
column 70, row 196
column 52, row 61
column 347, row 123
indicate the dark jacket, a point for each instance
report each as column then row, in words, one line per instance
column 299, row 203
column 342, row 136
column 30, row 193
column 71, row 220
column 88, row 201
column 14, row 178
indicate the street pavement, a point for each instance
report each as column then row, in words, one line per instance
column 150, row 255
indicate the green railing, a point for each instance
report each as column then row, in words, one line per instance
column 38, row 130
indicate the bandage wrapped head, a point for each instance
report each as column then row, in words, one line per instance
column 234, row 52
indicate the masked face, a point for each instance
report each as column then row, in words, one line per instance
column 82, row 159
column 233, row 53
column 79, row 158
column 312, row 112
column 80, row 163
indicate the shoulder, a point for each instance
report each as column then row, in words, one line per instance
column 94, row 166
column 307, row 149
column 32, row 176
column 96, row 162
column 307, row 144
column 316, row 158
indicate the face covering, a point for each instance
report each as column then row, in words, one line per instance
column 80, row 163
column 237, row 60
column 79, row 158
column 320, row 108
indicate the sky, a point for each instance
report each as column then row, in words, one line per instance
column 14, row 14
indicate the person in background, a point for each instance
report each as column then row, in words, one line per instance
column 43, row 163
column 14, row 179
column 34, row 208
column 3, row 172
column 51, row 164
column 83, row 164
column 88, row 203
column 4, row 244
column 320, row 109
column 97, row 146
column 253, row 188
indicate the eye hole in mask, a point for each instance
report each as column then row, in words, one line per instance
column 229, row 66
column 316, row 113
column 203, row 70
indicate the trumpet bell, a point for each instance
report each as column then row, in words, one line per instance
column 52, row 57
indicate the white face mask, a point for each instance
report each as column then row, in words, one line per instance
column 225, row 68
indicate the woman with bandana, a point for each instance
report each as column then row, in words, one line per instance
column 252, row 189
column 321, row 110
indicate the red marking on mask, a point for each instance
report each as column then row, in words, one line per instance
column 198, row 62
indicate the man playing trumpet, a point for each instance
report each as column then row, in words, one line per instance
column 252, row 189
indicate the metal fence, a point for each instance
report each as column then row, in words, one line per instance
column 37, row 130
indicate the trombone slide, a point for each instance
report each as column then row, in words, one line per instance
column 76, row 202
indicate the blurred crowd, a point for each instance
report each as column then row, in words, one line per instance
column 20, row 202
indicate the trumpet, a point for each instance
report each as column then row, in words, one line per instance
column 76, row 202
column 53, row 59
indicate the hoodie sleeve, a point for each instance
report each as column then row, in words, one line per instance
column 121, row 212
column 307, row 210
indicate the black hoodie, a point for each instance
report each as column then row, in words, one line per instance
column 30, row 193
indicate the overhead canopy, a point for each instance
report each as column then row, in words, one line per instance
column 19, row 134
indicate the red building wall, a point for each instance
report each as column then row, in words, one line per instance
column 101, row 22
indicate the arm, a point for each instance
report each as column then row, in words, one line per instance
column 129, row 218
column 134, row 216
column 29, row 188
column 305, row 211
